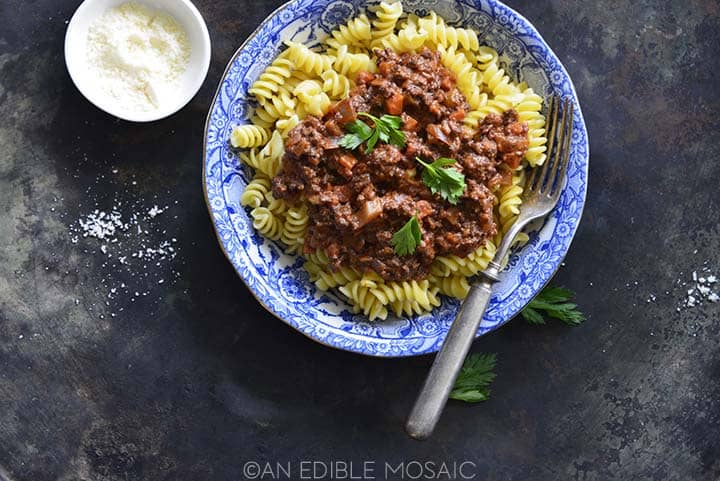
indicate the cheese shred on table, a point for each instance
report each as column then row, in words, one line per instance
column 137, row 54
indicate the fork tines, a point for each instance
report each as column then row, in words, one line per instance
column 549, row 180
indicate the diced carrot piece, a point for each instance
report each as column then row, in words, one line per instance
column 409, row 123
column 513, row 160
column 364, row 77
column 459, row 114
column 394, row 104
column 384, row 68
column 347, row 161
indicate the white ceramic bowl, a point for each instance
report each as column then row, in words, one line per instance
column 190, row 82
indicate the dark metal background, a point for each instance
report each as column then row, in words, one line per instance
column 195, row 379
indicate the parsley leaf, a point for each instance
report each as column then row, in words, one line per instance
column 554, row 302
column 359, row 133
column 532, row 316
column 474, row 379
column 406, row 240
column 386, row 129
column 448, row 182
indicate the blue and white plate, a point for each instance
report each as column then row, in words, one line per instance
column 279, row 282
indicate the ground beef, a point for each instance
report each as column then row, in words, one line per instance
column 358, row 200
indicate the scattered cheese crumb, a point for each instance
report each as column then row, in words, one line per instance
column 701, row 289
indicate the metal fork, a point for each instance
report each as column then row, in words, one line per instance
column 540, row 195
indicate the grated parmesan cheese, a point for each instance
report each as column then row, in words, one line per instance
column 137, row 55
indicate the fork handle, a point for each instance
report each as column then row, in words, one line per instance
column 444, row 371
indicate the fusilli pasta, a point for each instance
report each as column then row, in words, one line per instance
column 355, row 33
column 256, row 191
column 439, row 34
column 293, row 233
column 266, row 223
column 350, row 64
column 301, row 82
column 384, row 25
column 244, row 136
column 306, row 60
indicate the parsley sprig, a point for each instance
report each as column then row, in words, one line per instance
column 406, row 240
column 553, row 301
column 386, row 129
column 444, row 180
column 476, row 375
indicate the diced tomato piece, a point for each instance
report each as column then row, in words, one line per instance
column 385, row 68
column 459, row 114
column 409, row 123
column 364, row 77
column 394, row 104
column 512, row 160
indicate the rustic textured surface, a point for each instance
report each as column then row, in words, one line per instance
column 194, row 378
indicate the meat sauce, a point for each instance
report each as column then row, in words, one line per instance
column 358, row 200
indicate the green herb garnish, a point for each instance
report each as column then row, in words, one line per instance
column 386, row 129
column 473, row 381
column 554, row 302
column 448, row 182
column 406, row 240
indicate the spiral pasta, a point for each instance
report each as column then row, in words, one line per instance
column 266, row 223
column 244, row 136
column 364, row 301
column 494, row 78
column 510, row 199
column 453, row 285
column 302, row 82
column 469, row 266
column 284, row 126
column 327, row 279
column 256, row 191
column 262, row 119
column 336, row 85
column 439, row 34
column 313, row 101
column 268, row 160
column 350, row 64
column 387, row 15
column 277, row 206
column 497, row 105
column 407, row 40
column 485, row 55
column 319, row 258
column 306, row 60
column 468, row 78
column 355, row 33
column 412, row 306
column 529, row 110
column 293, row 233
column 276, row 107
column 271, row 79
